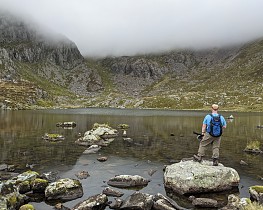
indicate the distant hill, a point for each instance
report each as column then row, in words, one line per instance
column 37, row 71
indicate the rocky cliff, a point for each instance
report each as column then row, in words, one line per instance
column 28, row 55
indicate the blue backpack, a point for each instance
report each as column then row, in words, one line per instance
column 215, row 126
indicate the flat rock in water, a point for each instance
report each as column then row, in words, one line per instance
column 193, row 177
column 128, row 181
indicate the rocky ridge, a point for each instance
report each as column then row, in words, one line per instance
column 180, row 79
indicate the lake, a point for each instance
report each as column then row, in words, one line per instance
column 160, row 137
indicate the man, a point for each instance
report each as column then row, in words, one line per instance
column 209, row 137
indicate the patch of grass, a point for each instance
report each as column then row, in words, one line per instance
column 253, row 145
column 252, row 206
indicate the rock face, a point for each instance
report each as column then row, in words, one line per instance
column 193, row 177
column 27, row 50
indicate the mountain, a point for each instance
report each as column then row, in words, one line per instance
column 47, row 70
column 40, row 68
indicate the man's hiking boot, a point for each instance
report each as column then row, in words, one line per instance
column 215, row 162
column 197, row 158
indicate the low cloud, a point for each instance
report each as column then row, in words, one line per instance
column 129, row 27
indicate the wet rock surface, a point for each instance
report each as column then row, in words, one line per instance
column 192, row 177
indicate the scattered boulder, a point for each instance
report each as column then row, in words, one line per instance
column 205, row 202
column 138, row 201
column 112, row 192
column 39, row 185
column 60, row 206
column 92, row 149
column 53, row 137
column 193, row 177
column 27, row 207
column 64, row 190
column 233, row 203
column 102, row 159
column 98, row 202
column 126, row 181
column 66, row 124
column 100, row 134
column 166, row 202
column 256, row 193
column 117, row 204
column 82, row 175
column 51, row 176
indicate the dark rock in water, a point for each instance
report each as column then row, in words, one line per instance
column 117, row 204
column 53, row 137
column 66, row 124
column 60, row 206
column 102, row 159
column 97, row 202
column 112, row 192
column 205, row 202
column 124, row 181
column 50, row 176
column 162, row 202
column 138, row 201
column 82, row 175
column 151, row 172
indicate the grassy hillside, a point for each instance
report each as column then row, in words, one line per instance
column 231, row 78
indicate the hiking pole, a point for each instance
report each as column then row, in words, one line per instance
column 199, row 135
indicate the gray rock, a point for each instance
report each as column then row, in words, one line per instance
column 138, row 201
column 193, row 177
column 205, row 202
column 128, row 181
column 64, row 189
column 112, row 192
column 96, row 202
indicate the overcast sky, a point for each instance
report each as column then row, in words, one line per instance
column 128, row 27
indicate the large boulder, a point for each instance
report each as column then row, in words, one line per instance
column 193, row 177
column 100, row 134
column 64, row 189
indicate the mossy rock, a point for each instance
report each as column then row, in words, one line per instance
column 39, row 185
column 123, row 126
column 27, row 207
column 257, row 188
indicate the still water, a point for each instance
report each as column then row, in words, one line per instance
column 159, row 137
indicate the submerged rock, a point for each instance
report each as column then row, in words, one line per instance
column 128, row 181
column 193, row 177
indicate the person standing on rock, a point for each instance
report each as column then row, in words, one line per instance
column 212, row 129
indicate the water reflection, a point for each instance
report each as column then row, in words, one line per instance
column 150, row 130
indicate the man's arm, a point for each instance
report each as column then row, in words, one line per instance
column 203, row 128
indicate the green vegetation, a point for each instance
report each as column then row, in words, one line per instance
column 253, row 145
column 252, row 206
column 257, row 188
